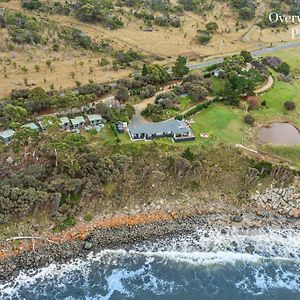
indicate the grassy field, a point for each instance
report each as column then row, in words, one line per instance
column 292, row 154
column 162, row 45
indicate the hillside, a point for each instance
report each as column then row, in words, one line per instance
column 154, row 30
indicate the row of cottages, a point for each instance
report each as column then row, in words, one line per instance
column 92, row 121
column 175, row 129
column 79, row 122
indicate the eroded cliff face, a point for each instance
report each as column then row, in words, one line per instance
column 139, row 178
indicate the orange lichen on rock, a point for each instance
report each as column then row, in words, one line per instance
column 81, row 231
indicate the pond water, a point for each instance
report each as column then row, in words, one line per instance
column 279, row 133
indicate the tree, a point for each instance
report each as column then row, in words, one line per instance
column 247, row 56
column 180, row 68
column 51, row 123
column 122, row 94
column 155, row 74
column 25, row 137
column 212, row 27
column 48, row 63
column 246, row 13
column 14, row 114
column 289, row 105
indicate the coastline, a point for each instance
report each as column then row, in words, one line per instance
column 124, row 231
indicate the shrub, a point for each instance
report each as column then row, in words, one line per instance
column 204, row 37
column 284, row 68
column 253, row 102
column 272, row 61
column 289, row 105
column 88, row 218
column 188, row 154
column 211, row 26
column 249, row 120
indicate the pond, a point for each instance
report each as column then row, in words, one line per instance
column 279, row 133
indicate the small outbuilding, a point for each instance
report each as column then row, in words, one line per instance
column 6, row 136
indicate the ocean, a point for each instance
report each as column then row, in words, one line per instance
column 206, row 264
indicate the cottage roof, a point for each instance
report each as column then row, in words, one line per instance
column 94, row 117
column 7, row 133
column 173, row 126
column 31, row 125
column 77, row 120
column 64, row 120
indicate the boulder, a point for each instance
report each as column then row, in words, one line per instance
column 88, row 246
column 236, row 219
column 250, row 248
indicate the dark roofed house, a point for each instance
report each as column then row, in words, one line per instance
column 175, row 129
column 7, row 135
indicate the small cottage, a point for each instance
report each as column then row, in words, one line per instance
column 6, row 136
column 65, row 123
column 94, row 120
column 77, row 122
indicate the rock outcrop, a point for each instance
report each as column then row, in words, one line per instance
column 284, row 200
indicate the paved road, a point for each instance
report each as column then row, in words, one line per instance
column 254, row 53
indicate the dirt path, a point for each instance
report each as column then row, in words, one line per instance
column 266, row 87
column 139, row 107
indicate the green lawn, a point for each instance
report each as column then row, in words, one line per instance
column 217, row 85
column 222, row 123
column 282, row 91
column 184, row 103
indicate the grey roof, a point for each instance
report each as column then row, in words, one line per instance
column 94, row 117
column 77, row 120
column 32, row 126
column 7, row 133
column 64, row 120
column 173, row 126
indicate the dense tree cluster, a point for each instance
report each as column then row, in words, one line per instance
column 245, row 8
column 167, row 100
column 240, row 80
column 195, row 86
column 25, row 102
column 23, row 29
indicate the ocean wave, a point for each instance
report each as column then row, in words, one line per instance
column 166, row 267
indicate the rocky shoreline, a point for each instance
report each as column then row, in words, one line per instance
column 126, row 235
